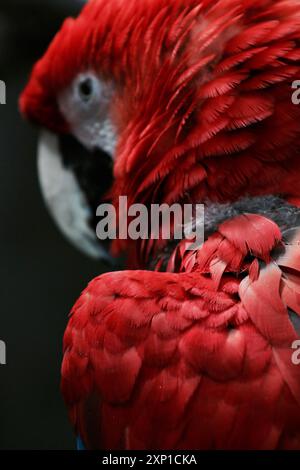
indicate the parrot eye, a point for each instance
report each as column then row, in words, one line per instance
column 86, row 89
column 86, row 105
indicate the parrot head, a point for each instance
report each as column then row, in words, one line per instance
column 175, row 101
column 68, row 97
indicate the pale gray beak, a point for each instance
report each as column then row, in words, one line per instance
column 65, row 199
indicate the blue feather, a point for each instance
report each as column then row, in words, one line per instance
column 80, row 445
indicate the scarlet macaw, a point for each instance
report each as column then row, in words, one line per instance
column 193, row 102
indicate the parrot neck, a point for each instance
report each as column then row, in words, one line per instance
column 152, row 252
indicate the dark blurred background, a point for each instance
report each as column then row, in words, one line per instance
column 41, row 275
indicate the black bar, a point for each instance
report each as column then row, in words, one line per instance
column 135, row 459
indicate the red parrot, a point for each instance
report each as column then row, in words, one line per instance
column 193, row 102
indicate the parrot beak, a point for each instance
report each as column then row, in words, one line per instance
column 73, row 184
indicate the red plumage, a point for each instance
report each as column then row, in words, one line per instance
column 200, row 356
column 196, row 359
column 206, row 85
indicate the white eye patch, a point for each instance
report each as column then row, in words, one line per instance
column 86, row 106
